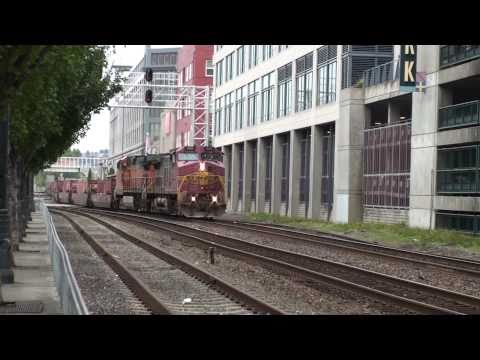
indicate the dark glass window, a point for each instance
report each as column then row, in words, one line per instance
column 253, row 189
column 240, row 172
column 328, row 162
column 304, row 82
column 241, row 60
column 466, row 222
column 267, row 97
column 284, row 98
column 268, row 170
column 285, row 170
column 305, row 167
column 458, row 170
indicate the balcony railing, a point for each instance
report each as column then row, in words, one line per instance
column 454, row 54
column 465, row 114
column 380, row 74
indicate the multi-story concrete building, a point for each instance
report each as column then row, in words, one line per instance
column 195, row 68
column 325, row 131
column 132, row 129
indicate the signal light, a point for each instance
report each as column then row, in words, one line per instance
column 148, row 96
column 148, row 74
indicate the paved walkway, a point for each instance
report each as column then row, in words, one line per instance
column 33, row 271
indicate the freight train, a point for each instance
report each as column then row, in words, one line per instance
column 189, row 181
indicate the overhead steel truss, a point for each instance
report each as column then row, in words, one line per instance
column 168, row 95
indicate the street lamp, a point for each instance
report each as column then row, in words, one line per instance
column 6, row 261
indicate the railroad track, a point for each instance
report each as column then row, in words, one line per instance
column 211, row 292
column 407, row 294
column 469, row 267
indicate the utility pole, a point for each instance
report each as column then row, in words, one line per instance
column 6, row 261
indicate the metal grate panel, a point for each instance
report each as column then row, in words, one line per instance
column 22, row 307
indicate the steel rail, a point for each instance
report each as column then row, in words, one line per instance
column 249, row 302
column 290, row 261
column 354, row 245
column 130, row 280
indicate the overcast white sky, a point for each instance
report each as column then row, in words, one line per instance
column 97, row 137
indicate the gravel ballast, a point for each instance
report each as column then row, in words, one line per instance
column 103, row 291
column 293, row 295
column 431, row 275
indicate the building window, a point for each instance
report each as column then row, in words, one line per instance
column 327, row 74
column 252, row 103
column 209, row 67
column 304, row 82
column 254, row 55
column 458, row 170
column 240, row 60
column 267, row 97
column 229, row 67
column 268, row 170
column 188, row 72
column 304, row 184
column 284, row 75
column 240, row 108
column 253, row 188
column 285, row 146
column 459, row 221
column 221, row 126
column 267, row 52
column 219, row 73
column 228, row 112
column 217, row 117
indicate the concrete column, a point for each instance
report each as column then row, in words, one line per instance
column 294, row 174
column 393, row 113
column 276, row 173
column 315, row 172
column 348, row 170
column 260, row 198
column 423, row 149
column 226, row 162
column 247, row 176
column 235, row 174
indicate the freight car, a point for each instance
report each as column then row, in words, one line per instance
column 188, row 182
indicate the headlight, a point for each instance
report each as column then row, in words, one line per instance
column 214, row 198
column 193, row 198
column 202, row 166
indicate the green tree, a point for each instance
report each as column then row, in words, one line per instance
column 72, row 153
column 52, row 92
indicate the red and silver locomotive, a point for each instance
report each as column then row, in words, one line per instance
column 188, row 181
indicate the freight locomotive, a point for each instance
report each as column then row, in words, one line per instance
column 188, row 181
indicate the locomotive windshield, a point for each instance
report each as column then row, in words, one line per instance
column 212, row 156
column 187, row 156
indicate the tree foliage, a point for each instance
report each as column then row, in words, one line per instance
column 52, row 92
column 72, row 153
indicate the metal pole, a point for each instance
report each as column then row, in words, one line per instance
column 6, row 261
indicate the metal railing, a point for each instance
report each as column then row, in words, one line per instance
column 455, row 54
column 70, row 296
column 457, row 115
column 381, row 73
